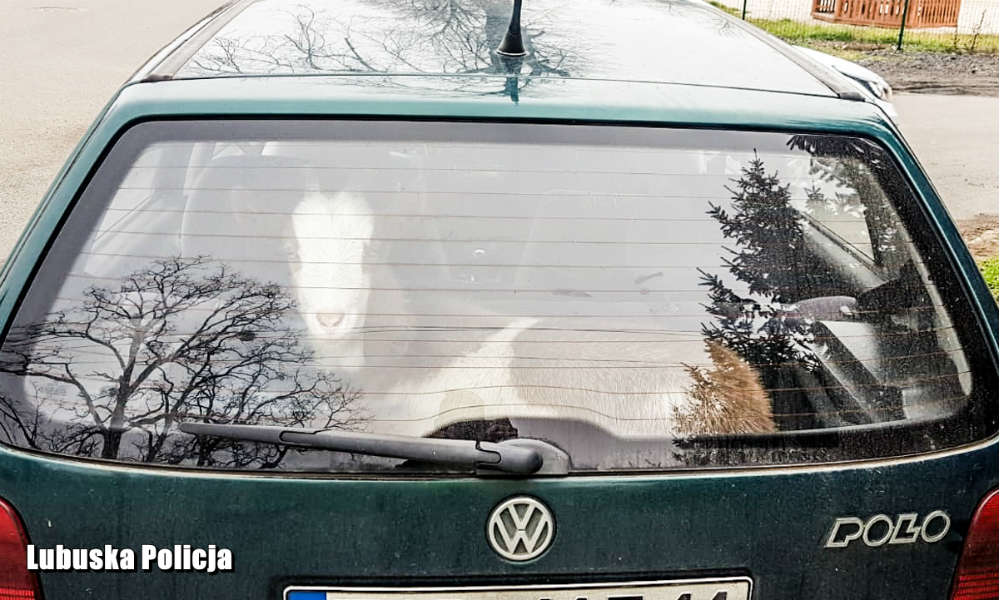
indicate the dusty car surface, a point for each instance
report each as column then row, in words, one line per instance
column 420, row 299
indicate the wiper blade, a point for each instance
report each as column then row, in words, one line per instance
column 519, row 456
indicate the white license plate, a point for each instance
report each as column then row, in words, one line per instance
column 735, row 588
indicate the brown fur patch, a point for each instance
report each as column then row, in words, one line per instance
column 726, row 398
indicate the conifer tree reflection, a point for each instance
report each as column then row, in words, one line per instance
column 753, row 330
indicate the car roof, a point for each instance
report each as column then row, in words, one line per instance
column 657, row 41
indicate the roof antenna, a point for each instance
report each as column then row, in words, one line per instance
column 512, row 44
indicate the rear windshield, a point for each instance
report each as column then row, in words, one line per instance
column 640, row 298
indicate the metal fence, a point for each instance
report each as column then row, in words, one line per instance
column 943, row 25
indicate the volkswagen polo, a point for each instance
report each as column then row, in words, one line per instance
column 459, row 299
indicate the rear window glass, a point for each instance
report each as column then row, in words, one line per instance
column 641, row 298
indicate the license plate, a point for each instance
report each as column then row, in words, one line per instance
column 735, row 588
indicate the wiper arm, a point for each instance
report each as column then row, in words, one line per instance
column 520, row 456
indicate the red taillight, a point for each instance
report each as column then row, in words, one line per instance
column 976, row 578
column 16, row 581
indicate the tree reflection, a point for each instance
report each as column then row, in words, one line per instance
column 864, row 182
column 178, row 340
column 457, row 37
column 770, row 258
column 755, row 342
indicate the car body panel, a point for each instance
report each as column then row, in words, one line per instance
column 771, row 524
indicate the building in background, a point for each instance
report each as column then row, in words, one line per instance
column 945, row 16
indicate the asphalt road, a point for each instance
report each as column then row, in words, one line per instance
column 955, row 138
column 60, row 61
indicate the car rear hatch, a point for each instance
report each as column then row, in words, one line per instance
column 742, row 357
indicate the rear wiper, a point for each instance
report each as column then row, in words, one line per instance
column 521, row 456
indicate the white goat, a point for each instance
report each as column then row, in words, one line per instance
column 419, row 372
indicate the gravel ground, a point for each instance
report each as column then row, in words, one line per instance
column 980, row 234
column 936, row 73
column 924, row 72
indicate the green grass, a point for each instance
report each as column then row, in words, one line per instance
column 724, row 8
column 914, row 40
column 989, row 269
column 795, row 32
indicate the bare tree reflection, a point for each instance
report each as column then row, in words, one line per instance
column 180, row 339
column 417, row 36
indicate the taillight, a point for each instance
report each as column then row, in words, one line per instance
column 976, row 578
column 16, row 581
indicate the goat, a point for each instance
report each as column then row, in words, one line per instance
column 422, row 371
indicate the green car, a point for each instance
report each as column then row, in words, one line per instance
column 464, row 300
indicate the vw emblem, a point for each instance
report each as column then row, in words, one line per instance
column 520, row 528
